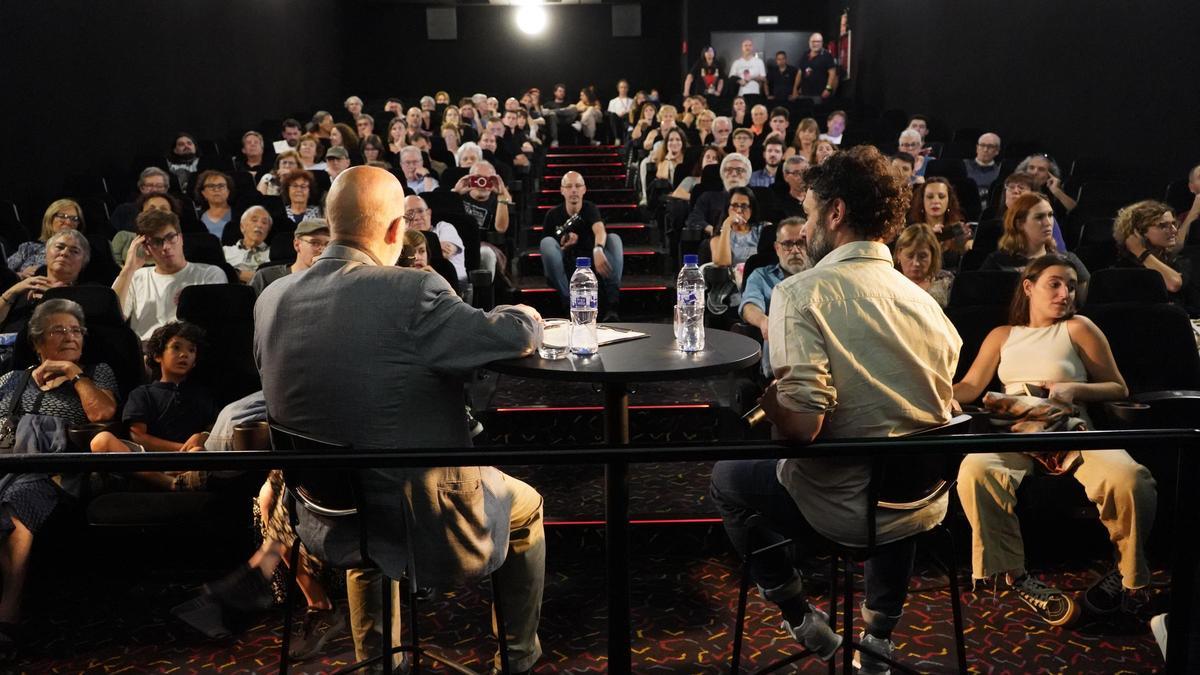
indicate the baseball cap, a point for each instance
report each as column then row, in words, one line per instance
column 310, row 225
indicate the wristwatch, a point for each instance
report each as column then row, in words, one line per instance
column 1142, row 258
column 75, row 380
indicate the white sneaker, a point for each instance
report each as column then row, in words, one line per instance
column 577, row 126
column 868, row 664
column 815, row 634
column 1158, row 626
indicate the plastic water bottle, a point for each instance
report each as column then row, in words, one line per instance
column 689, row 306
column 584, row 300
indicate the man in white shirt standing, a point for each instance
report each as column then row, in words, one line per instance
column 150, row 295
column 622, row 104
column 749, row 70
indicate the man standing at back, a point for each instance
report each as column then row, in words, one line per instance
column 857, row 351
column 748, row 70
column 401, row 343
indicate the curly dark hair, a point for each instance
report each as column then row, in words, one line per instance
column 876, row 201
column 161, row 337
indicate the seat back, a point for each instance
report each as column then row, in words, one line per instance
column 909, row 482
column 983, row 288
column 328, row 493
column 1126, row 284
column 226, row 313
column 1154, row 344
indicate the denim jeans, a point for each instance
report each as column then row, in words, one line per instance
column 556, row 273
column 743, row 488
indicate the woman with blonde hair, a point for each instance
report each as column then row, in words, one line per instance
column 919, row 258
column 62, row 214
column 1147, row 235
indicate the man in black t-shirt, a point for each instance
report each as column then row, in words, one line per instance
column 575, row 229
column 781, row 80
column 818, row 70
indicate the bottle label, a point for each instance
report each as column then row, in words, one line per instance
column 583, row 302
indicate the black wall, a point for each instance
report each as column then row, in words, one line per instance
column 389, row 54
column 88, row 84
column 1086, row 78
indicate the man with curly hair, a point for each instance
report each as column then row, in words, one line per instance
column 857, row 350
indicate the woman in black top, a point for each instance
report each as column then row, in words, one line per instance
column 705, row 76
column 1147, row 235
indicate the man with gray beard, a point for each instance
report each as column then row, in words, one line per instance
column 791, row 248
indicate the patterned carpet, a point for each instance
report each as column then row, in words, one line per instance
column 684, row 590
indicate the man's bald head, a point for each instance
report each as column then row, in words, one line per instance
column 363, row 204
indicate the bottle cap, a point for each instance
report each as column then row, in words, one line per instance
column 583, row 262
column 691, row 259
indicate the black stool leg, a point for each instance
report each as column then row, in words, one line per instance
column 833, row 601
column 289, row 596
column 385, row 640
column 739, row 625
column 501, row 625
column 848, row 612
column 960, row 645
column 413, row 612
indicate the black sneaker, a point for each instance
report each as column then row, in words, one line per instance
column 1105, row 595
column 1055, row 607
column 204, row 614
column 320, row 626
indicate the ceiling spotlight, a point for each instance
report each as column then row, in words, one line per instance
column 531, row 19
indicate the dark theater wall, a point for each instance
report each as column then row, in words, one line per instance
column 87, row 84
column 389, row 54
column 1088, row 78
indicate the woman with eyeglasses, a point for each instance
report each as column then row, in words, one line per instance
column 1147, row 235
column 67, row 253
column 293, row 207
column 738, row 238
column 61, row 387
column 62, row 214
column 214, row 199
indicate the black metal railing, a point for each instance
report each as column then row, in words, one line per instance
column 1186, row 443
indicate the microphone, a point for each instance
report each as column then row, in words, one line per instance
column 755, row 417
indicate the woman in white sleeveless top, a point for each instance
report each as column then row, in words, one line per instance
column 1046, row 347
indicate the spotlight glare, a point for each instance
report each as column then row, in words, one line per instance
column 531, row 19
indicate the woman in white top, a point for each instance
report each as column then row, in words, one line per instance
column 1047, row 350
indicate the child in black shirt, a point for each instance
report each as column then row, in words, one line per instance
column 170, row 415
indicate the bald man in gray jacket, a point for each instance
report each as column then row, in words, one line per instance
column 358, row 350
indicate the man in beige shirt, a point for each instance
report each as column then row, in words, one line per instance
column 857, row 351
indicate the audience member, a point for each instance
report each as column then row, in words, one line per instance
column 749, row 70
column 1061, row 359
column 251, row 250
column 394, row 106
column 1028, row 235
column 759, row 117
column 152, row 180
column 935, row 204
column 710, row 208
column 252, row 158
column 912, row 143
column 740, row 113
column 772, row 152
column 214, row 198
column 622, row 104
column 353, row 106
column 150, row 295
column 705, row 76
column 67, row 253
column 835, row 126
column 311, row 152
column 295, row 195
column 397, row 134
column 337, row 160
column 364, row 125
column 1047, row 179
column 373, row 149
column 790, row 248
column 1147, row 235
column 64, row 392
column 183, row 161
column 1189, row 217
column 743, row 143
column 919, row 258
column 415, row 402
column 825, row 150
column 417, row 215
column 62, row 214
column 486, row 198
column 791, row 203
column 782, row 80
column 983, row 170
column 737, row 238
column 818, row 71
column 309, row 241
column 590, row 115
column 172, row 414
column 712, row 155
column 663, row 170
column 849, row 334
column 701, row 131
column 285, row 162
column 919, row 124
column 667, row 118
column 902, row 165
column 804, row 141
column 416, row 176
column 722, row 128
column 778, row 124
column 290, row 132
column 573, row 230
column 321, row 125
column 343, row 136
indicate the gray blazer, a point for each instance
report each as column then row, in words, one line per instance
column 375, row 356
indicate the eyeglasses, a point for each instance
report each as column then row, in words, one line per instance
column 739, row 207
column 414, row 213
column 216, row 186
column 315, row 243
column 299, row 186
column 735, row 170
column 793, row 172
column 1169, row 225
column 67, row 217
column 62, row 331
column 790, row 244
column 159, row 242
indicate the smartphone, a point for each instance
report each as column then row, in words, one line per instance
column 1035, row 390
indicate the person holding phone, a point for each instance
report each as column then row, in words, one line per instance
column 749, row 70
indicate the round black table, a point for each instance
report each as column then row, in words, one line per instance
column 654, row 358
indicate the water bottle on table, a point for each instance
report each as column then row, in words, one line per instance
column 689, row 306
column 584, row 301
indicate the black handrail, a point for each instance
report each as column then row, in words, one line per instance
column 1183, row 441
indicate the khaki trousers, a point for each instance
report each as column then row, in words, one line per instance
column 1122, row 490
column 521, row 579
